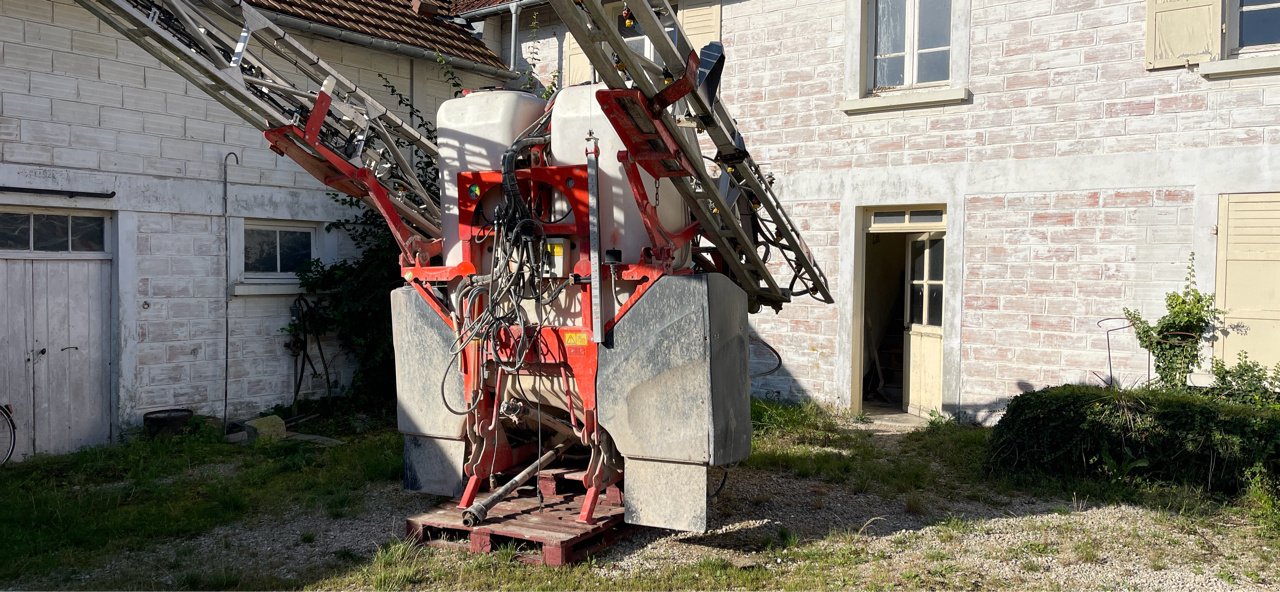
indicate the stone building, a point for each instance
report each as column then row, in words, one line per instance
column 127, row 283
column 986, row 182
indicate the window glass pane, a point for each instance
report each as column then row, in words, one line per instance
column 295, row 250
column 889, row 72
column 50, row 232
column 935, row 24
column 891, row 26
column 926, row 216
column 1259, row 27
column 934, row 66
column 88, row 233
column 888, row 217
column 917, row 261
column 935, row 260
column 935, row 305
column 260, row 251
column 917, row 304
column 15, row 231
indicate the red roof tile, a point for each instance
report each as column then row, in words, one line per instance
column 392, row 20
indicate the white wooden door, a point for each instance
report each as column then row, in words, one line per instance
column 55, row 330
column 923, row 339
column 15, row 350
column 70, row 326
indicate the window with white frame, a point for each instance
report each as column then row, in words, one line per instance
column 44, row 232
column 1257, row 25
column 911, row 43
column 276, row 252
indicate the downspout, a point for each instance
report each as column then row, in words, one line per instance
column 515, row 29
column 380, row 44
column 226, row 305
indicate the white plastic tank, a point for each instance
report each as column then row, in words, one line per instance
column 473, row 132
column 575, row 115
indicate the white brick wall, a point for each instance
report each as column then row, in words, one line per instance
column 88, row 108
column 1062, row 108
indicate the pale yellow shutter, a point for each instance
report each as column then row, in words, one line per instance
column 577, row 68
column 700, row 20
column 1181, row 32
column 1249, row 277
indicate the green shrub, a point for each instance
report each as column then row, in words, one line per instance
column 1174, row 339
column 1248, row 382
column 1086, row 431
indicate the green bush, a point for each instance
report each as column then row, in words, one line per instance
column 1085, row 431
column 1248, row 382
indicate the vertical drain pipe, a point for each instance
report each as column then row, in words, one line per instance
column 226, row 296
column 515, row 28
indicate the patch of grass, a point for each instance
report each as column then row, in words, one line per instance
column 307, row 538
column 77, row 508
column 1087, row 551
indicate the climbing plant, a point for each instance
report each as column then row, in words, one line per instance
column 1174, row 339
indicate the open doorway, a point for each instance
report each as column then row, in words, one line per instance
column 901, row 315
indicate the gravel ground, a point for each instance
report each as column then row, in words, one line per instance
column 998, row 543
column 294, row 547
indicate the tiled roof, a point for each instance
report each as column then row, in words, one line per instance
column 392, row 20
column 465, row 6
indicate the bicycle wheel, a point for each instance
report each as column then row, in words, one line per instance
column 8, row 434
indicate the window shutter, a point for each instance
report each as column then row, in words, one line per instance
column 700, row 20
column 1181, row 32
column 577, row 68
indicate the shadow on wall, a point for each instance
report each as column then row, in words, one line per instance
column 770, row 377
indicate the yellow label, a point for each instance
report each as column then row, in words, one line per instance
column 576, row 339
column 555, row 249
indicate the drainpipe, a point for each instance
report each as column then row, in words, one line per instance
column 515, row 29
column 380, row 44
column 226, row 306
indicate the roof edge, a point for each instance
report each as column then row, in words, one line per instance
column 414, row 51
column 504, row 8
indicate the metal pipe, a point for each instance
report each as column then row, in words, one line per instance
column 482, row 13
column 226, row 305
column 480, row 510
column 381, row 44
column 515, row 29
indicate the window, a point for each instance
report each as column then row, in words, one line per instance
column 276, row 252
column 912, row 43
column 1257, row 25
column 908, row 54
column 925, row 293
column 52, row 233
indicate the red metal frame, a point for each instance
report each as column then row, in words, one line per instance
column 569, row 348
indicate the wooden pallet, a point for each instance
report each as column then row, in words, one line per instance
column 546, row 535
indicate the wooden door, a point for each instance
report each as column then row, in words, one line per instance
column 55, row 329
column 71, row 344
column 15, row 350
column 923, row 338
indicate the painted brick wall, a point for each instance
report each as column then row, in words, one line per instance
column 181, row 331
column 1049, row 78
column 74, row 93
column 804, row 332
column 1041, row 270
